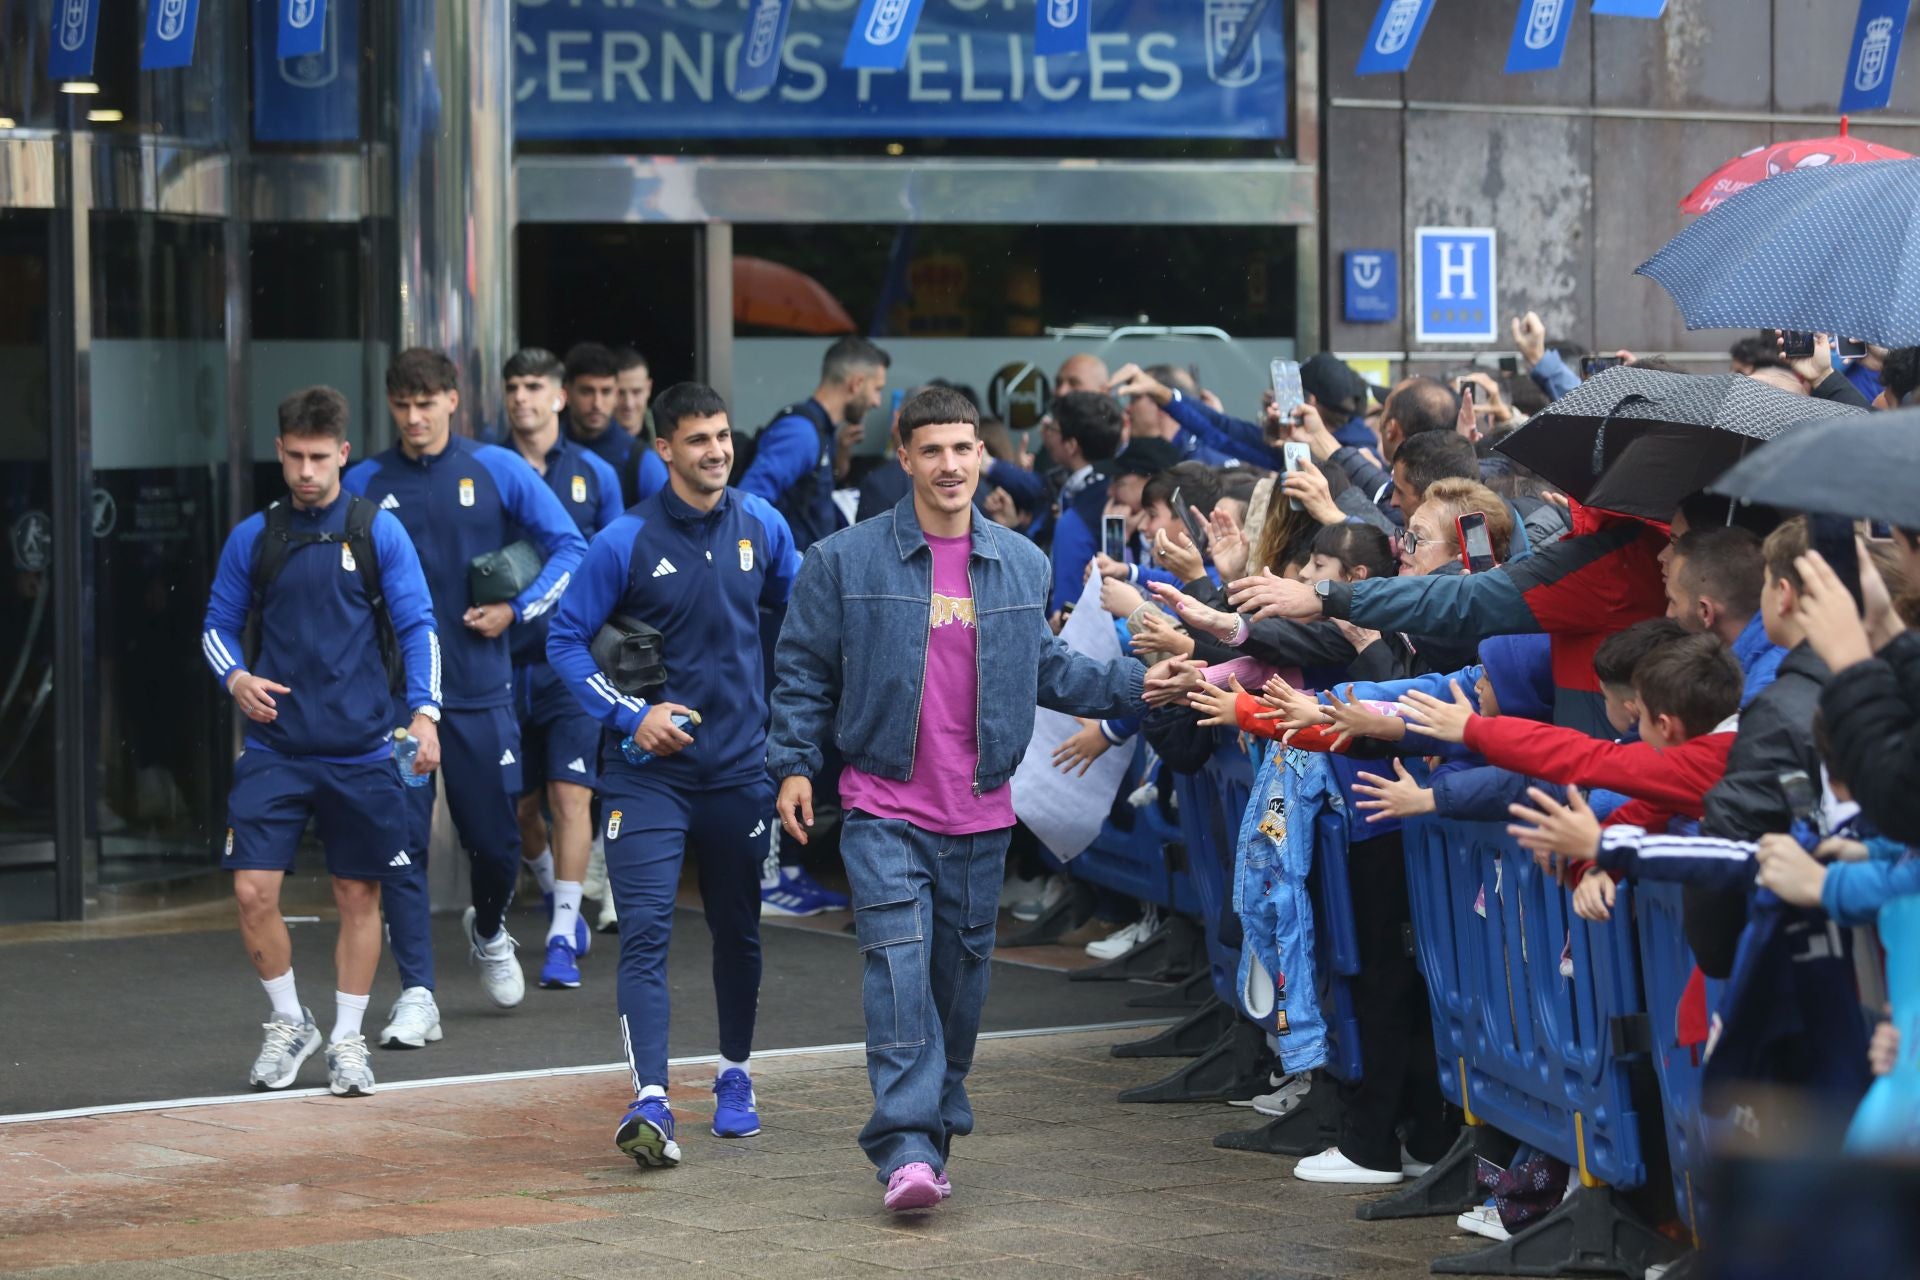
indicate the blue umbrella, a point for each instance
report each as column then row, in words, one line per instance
column 1832, row 250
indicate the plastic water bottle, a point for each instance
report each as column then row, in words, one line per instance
column 405, row 748
column 632, row 750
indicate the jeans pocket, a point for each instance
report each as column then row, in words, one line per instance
column 986, row 876
column 894, row 984
column 876, row 853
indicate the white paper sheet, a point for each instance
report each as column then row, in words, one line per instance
column 1066, row 810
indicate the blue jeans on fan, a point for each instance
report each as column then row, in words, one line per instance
column 924, row 911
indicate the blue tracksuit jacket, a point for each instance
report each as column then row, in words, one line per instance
column 589, row 489
column 787, row 451
column 1076, row 540
column 701, row 579
column 317, row 637
column 457, row 504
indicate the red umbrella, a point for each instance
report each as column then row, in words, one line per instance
column 1761, row 163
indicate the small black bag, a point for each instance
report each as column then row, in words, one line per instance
column 496, row 577
column 627, row 651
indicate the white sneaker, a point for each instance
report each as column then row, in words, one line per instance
column 349, row 1074
column 1015, row 890
column 1482, row 1220
column 1331, row 1166
column 413, row 1021
column 1286, row 1096
column 609, row 921
column 595, row 884
column 500, row 972
column 1411, row 1167
column 1031, row 909
column 1117, row 944
column 287, row 1045
column 1274, row 1081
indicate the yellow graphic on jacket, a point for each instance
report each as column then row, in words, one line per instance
column 951, row 609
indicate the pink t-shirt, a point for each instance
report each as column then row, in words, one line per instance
column 939, row 796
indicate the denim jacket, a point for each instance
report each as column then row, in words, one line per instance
column 853, row 652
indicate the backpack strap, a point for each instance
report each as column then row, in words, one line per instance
column 361, row 513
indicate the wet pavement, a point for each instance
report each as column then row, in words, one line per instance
column 519, row 1179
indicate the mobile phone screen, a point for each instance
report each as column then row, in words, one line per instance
column 1832, row 537
column 1851, row 349
column 1113, row 537
column 1287, row 393
column 1476, row 544
column 1796, row 342
column 1194, row 531
column 1296, row 457
column 1595, row 364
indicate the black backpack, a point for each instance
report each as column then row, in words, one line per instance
column 278, row 540
column 744, row 450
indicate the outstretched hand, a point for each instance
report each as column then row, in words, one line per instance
column 1556, row 832
column 1445, row 721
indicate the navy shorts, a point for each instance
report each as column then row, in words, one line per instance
column 560, row 742
column 360, row 811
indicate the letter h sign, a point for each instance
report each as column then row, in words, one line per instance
column 1455, row 285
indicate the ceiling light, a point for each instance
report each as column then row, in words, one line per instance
column 896, row 149
column 79, row 86
column 107, row 116
column 6, row 122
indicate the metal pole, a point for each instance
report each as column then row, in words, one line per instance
column 714, row 293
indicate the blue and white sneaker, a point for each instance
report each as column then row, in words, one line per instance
column 562, row 969
column 582, row 936
column 646, row 1134
column 799, row 894
column 734, row 1112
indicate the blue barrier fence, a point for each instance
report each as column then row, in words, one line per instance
column 1135, row 863
column 1667, row 963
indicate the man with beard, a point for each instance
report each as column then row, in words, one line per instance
column 806, row 450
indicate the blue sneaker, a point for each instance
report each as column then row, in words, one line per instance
column 582, row 936
column 734, row 1115
column 562, row 968
column 799, row 894
column 646, row 1134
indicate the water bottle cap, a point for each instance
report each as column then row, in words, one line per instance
column 399, row 735
column 693, row 717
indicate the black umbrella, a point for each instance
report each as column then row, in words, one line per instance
column 1862, row 469
column 1637, row 441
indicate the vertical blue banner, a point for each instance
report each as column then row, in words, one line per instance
column 315, row 98
column 881, row 32
column 170, row 28
column 766, row 35
column 1875, row 55
column 70, row 40
column 1629, row 8
column 303, row 28
column 1061, row 26
column 1394, row 36
column 1540, row 35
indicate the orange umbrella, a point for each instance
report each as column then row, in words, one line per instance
column 771, row 296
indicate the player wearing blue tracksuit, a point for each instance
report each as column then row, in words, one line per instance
column 698, row 561
column 459, row 499
column 330, row 592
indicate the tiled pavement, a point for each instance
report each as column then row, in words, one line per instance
column 519, row 1180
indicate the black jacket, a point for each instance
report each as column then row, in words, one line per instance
column 1873, row 721
column 1776, row 737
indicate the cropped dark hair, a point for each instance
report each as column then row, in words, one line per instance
column 1724, row 563
column 1092, row 419
column 421, row 371
column 1423, row 405
column 314, row 411
column 972, row 396
column 934, row 407
column 1900, row 373
column 1198, row 486
column 1618, row 655
column 1705, row 510
column 848, row 356
column 1756, row 352
column 1433, row 456
column 1694, row 679
column 684, row 400
column 591, row 360
column 627, row 358
column 533, row 362
column 1357, row 546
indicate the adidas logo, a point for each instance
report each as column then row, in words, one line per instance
column 759, row 829
column 399, row 860
column 389, row 503
column 664, row 568
column 577, row 765
column 506, row 757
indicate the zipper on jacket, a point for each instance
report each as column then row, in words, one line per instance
column 974, row 600
column 926, row 657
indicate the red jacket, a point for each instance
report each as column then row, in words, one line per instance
column 1658, row 783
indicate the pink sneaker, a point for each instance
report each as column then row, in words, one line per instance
column 915, row 1186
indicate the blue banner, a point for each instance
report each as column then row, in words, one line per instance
column 70, row 39
column 1394, row 36
column 759, row 63
column 303, row 28
column 170, row 28
column 670, row 69
column 315, row 98
column 1875, row 55
column 1629, row 8
column 1539, row 35
column 1061, row 26
column 881, row 35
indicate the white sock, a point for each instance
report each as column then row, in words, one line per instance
column 653, row 1091
column 542, row 868
column 566, row 909
column 347, row 1013
column 285, row 1002
column 728, row 1064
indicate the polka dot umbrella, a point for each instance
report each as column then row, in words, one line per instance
column 1832, row 249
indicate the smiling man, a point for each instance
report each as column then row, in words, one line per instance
column 919, row 642
column 696, row 562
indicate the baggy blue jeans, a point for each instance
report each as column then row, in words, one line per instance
column 925, row 905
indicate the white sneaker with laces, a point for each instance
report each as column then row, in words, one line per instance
column 609, row 921
column 1015, row 890
column 287, row 1045
column 1331, row 1166
column 1274, row 1081
column 413, row 1021
column 1117, row 944
column 349, row 1074
column 1482, row 1220
column 1286, row 1096
column 1032, row 909
column 500, row 972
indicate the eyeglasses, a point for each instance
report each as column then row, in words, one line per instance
column 1410, row 540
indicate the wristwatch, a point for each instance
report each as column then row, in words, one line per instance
column 428, row 710
column 1323, row 589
